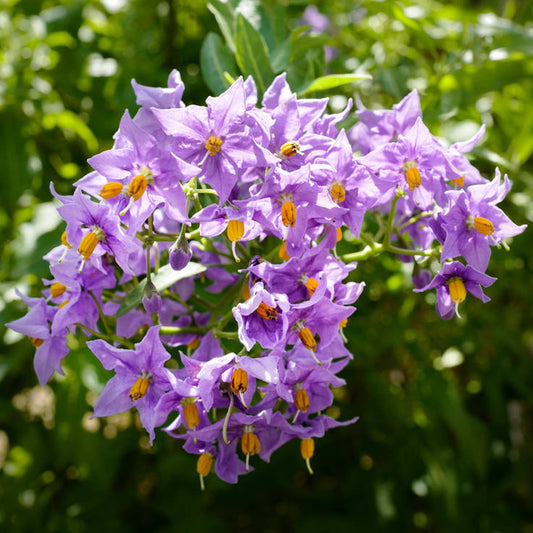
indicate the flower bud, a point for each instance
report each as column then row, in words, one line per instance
column 180, row 253
column 151, row 299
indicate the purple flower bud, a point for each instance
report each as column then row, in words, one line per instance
column 151, row 300
column 180, row 253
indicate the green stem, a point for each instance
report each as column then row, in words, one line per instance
column 121, row 340
column 103, row 318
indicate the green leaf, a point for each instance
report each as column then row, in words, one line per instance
column 165, row 278
column 281, row 56
column 215, row 60
column 334, row 80
column 252, row 55
column 69, row 121
column 225, row 17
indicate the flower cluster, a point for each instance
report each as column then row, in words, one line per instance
column 209, row 235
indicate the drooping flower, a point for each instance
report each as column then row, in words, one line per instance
column 453, row 283
column 473, row 223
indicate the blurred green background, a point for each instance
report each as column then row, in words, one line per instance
column 445, row 438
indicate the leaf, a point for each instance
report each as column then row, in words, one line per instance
column 215, row 60
column 67, row 120
column 334, row 80
column 165, row 278
column 225, row 17
column 252, row 55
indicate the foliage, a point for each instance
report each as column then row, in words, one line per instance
column 444, row 439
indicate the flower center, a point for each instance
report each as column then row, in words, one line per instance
column 288, row 214
column 307, row 449
column 250, row 444
column 190, row 412
column 57, row 289
column 213, row 144
column 239, row 381
column 457, row 289
column 459, row 181
column 483, row 226
column 203, row 467
column 139, row 388
column 412, row 175
column 307, row 338
column 289, row 149
column 301, row 399
column 235, row 230
column 36, row 342
column 338, row 194
column 310, row 283
column 111, row 190
column 137, row 186
column 267, row 312
column 89, row 242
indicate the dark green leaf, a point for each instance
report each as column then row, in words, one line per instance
column 252, row 54
column 216, row 59
column 225, row 16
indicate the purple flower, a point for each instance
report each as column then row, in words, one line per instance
column 215, row 138
column 262, row 318
column 140, row 378
column 452, row 284
column 51, row 345
column 473, row 222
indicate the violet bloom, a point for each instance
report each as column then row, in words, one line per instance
column 416, row 163
column 141, row 176
column 104, row 235
column 262, row 318
column 379, row 127
column 215, row 138
column 140, row 378
column 51, row 345
column 452, row 284
column 240, row 373
column 473, row 222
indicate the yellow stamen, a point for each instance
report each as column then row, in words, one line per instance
column 87, row 245
column 483, row 226
column 338, row 194
column 235, row 230
column 289, row 149
column 311, row 285
column 57, row 289
column 344, row 323
column 457, row 289
column 413, row 178
column 139, row 388
column 203, row 467
column 288, row 214
column 194, row 343
column 459, row 181
column 36, row 342
column 250, row 444
column 213, row 144
column 137, row 186
column 307, row 449
column 64, row 241
column 339, row 234
column 111, row 189
column 62, row 304
column 301, row 400
column 267, row 312
column 239, row 381
column 190, row 412
column 307, row 338
column 283, row 251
